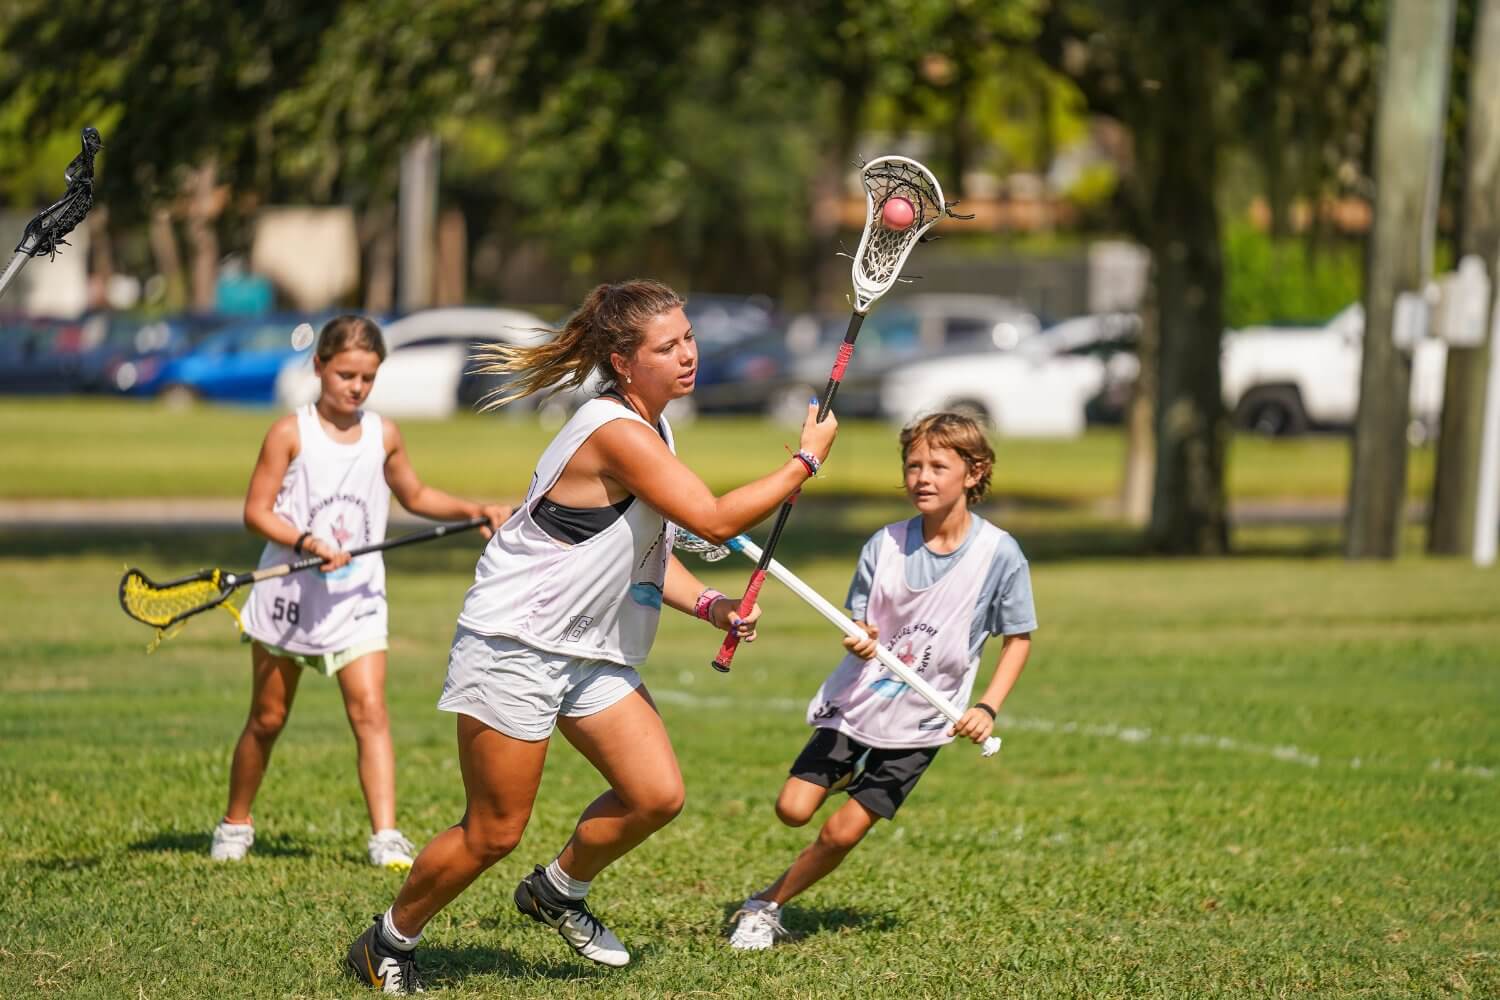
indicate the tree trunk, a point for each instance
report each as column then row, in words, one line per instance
column 1455, row 485
column 452, row 259
column 380, row 258
column 102, row 256
column 1188, row 509
column 163, row 240
column 1140, row 416
column 205, row 201
column 1408, row 170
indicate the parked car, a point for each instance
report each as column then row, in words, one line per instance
column 238, row 363
column 1017, row 393
column 720, row 321
column 40, row 354
column 908, row 330
column 1114, row 339
column 427, row 373
column 142, row 347
column 1284, row 380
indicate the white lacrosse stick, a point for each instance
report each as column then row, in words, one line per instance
column 689, row 542
column 902, row 202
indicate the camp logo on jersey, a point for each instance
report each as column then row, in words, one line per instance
column 343, row 518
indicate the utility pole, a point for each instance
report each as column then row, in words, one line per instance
column 417, row 223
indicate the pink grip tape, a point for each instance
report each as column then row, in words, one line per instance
column 732, row 640
column 846, row 351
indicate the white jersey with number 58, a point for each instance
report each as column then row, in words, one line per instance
column 338, row 492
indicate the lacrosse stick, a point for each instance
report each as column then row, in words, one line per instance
column 742, row 544
column 163, row 605
column 44, row 234
column 883, row 248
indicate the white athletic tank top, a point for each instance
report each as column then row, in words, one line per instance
column 338, row 492
column 598, row 599
column 928, row 630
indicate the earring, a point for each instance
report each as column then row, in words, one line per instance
column 627, row 379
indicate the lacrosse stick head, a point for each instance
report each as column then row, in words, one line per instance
column 883, row 250
column 689, row 542
column 991, row 747
column 165, row 604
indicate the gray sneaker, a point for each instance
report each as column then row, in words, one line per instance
column 572, row 920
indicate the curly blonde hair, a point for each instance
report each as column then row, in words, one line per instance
column 961, row 434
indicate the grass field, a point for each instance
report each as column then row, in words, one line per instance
column 1247, row 777
column 112, row 448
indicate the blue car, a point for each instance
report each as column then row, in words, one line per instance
column 238, row 364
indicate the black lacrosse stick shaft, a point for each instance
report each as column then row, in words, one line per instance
column 239, row 579
column 722, row 661
column 836, row 377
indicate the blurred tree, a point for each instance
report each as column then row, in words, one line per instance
column 1455, row 483
column 1408, row 175
column 187, row 86
column 1280, row 78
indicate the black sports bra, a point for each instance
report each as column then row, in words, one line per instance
column 579, row 524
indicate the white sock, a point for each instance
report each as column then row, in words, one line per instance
column 564, row 884
column 395, row 938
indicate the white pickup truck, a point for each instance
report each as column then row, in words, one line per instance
column 1281, row 380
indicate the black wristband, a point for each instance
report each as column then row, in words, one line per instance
column 297, row 548
column 985, row 708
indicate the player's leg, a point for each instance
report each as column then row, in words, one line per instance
column 875, row 792
column 628, row 744
column 362, row 683
column 612, row 721
column 839, row 835
column 273, row 687
column 501, row 775
column 825, row 764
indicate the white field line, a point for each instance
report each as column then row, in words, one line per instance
column 1285, row 752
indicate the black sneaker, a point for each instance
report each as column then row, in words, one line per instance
column 571, row 918
column 378, row 965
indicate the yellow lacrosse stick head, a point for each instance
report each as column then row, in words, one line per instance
column 166, row 606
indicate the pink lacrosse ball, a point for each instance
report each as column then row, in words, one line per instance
column 898, row 213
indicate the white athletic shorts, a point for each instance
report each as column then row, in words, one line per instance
column 520, row 690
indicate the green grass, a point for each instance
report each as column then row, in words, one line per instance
column 1248, row 777
column 112, row 448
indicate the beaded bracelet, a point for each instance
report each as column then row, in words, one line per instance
column 809, row 461
column 704, row 608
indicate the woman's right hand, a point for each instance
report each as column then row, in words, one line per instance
column 817, row 439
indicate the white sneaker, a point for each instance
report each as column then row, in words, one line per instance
column 388, row 849
column 232, row 841
column 757, row 926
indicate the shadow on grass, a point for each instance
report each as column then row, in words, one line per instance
column 276, row 845
column 450, row 965
column 804, row 921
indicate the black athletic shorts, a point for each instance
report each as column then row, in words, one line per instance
column 886, row 780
